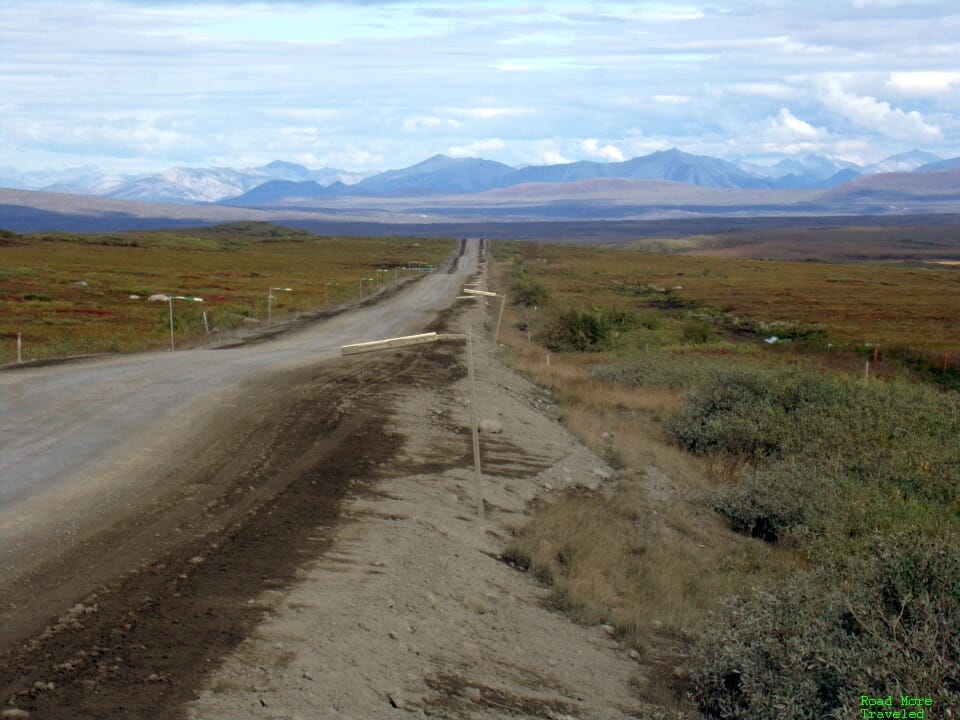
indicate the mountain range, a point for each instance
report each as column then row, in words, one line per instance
column 176, row 185
column 284, row 184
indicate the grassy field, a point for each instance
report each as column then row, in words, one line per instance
column 784, row 532
column 909, row 313
column 829, row 242
column 72, row 294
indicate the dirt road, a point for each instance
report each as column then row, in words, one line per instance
column 310, row 550
column 83, row 445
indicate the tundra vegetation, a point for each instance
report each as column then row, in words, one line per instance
column 72, row 294
column 783, row 533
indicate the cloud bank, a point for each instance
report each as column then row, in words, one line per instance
column 369, row 85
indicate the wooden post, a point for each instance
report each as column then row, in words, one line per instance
column 474, row 423
column 206, row 325
column 496, row 333
column 19, row 348
column 170, row 301
column 391, row 343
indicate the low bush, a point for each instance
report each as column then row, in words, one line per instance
column 697, row 333
column 886, row 622
column 753, row 413
column 788, row 502
column 528, row 293
column 577, row 330
column 886, row 432
column 676, row 370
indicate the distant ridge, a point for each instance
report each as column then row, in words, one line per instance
column 940, row 165
column 443, row 175
column 673, row 165
column 438, row 174
column 284, row 192
column 284, row 184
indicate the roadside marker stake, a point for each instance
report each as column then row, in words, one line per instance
column 423, row 338
column 503, row 301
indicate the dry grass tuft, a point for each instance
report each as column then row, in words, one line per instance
column 648, row 557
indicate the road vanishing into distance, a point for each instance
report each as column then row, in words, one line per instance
column 78, row 440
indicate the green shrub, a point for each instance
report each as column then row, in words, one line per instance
column 529, row 293
column 893, row 432
column 656, row 368
column 743, row 412
column 883, row 623
column 788, row 501
column 577, row 330
column 830, row 459
column 697, row 333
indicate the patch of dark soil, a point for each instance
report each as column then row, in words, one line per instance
column 460, row 252
column 139, row 645
column 456, row 697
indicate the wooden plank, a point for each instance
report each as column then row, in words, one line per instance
column 389, row 343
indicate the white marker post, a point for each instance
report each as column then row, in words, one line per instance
column 270, row 299
column 408, row 340
column 19, row 348
column 503, row 301
column 326, row 293
column 170, row 299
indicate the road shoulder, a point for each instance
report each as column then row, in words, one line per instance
column 412, row 612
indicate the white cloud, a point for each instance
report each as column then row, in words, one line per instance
column 552, row 157
column 606, row 152
column 924, row 82
column 488, row 113
column 664, row 12
column 123, row 135
column 429, row 122
column 351, row 157
column 777, row 91
column 868, row 113
column 304, row 114
column 787, row 128
column 259, row 81
column 477, row 148
column 672, row 99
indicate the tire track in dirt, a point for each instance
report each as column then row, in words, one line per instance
column 140, row 644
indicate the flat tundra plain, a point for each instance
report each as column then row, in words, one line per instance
column 308, row 546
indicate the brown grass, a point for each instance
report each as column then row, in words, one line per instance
column 650, row 557
column 70, row 294
column 908, row 308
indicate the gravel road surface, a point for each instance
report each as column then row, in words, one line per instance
column 82, row 442
column 274, row 531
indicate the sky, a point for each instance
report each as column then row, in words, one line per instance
column 143, row 85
